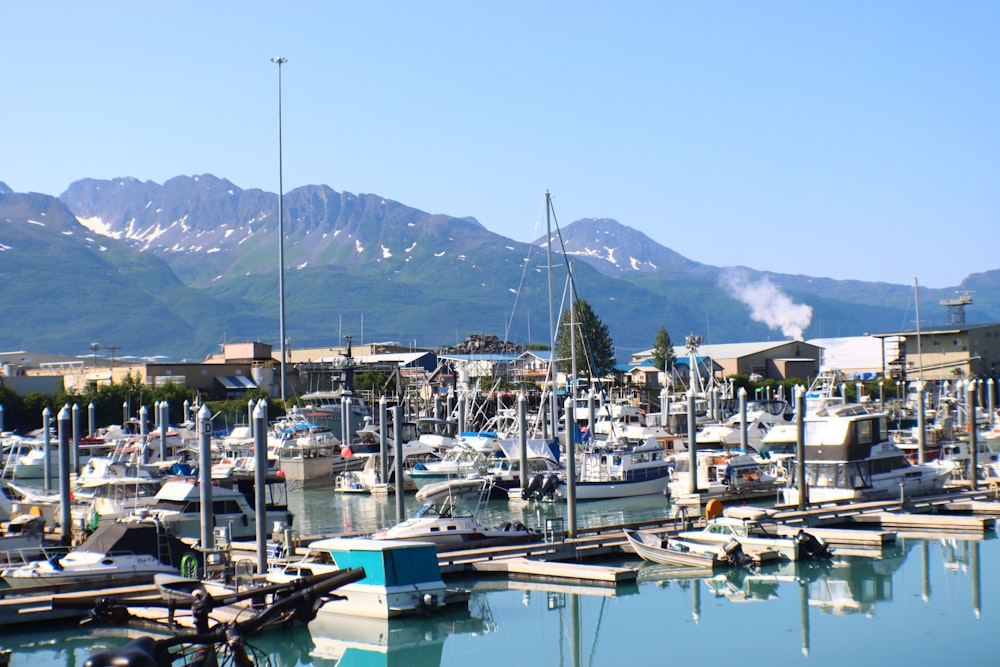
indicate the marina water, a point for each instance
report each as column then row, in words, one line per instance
column 927, row 600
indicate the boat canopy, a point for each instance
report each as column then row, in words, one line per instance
column 537, row 448
column 139, row 537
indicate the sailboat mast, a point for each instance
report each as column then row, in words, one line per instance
column 572, row 330
column 553, row 408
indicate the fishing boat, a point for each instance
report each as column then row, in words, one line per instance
column 402, row 577
column 327, row 410
column 504, row 468
column 116, row 554
column 664, row 550
column 728, row 476
column 620, row 468
column 849, row 456
column 307, row 453
column 367, row 450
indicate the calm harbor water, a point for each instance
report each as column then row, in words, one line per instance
column 922, row 602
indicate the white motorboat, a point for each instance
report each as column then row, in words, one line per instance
column 113, row 497
column 116, row 554
column 441, row 434
column 849, row 456
column 458, row 462
column 178, row 506
column 447, row 519
column 761, row 416
column 24, row 457
column 666, row 550
column 625, row 420
column 957, row 457
column 743, row 524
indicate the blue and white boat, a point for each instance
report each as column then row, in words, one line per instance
column 620, row 468
column 401, row 577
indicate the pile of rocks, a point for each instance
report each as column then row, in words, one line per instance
column 484, row 344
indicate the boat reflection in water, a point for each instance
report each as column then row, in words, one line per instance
column 851, row 585
column 923, row 589
column 415, row 642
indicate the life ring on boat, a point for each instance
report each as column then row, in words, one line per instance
column 189, row 566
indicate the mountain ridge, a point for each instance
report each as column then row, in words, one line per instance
column 389, row 271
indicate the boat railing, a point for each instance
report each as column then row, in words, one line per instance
column 24, row 555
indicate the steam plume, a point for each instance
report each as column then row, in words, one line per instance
column 768, row 304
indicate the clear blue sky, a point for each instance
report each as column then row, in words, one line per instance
column 849, row 139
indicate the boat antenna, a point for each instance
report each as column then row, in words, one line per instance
column 920, row 354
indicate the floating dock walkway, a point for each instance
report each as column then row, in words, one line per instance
column 850, row 528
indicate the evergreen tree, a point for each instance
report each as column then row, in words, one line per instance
column 663, row 352
column 595, row 351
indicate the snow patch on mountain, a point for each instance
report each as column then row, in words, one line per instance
column 98, row 226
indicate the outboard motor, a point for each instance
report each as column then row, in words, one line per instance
column 549, row 486
column 534, row 486
column 812, row 547
column 735, row 554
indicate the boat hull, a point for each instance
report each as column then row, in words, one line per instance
column 885, row 489
column 668, row 551
column 617, row 488
column 28, row 576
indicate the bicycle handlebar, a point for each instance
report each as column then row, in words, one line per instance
column 148, row 652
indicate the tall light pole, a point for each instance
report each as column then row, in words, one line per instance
column 281, row 238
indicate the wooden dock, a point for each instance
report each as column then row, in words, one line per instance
column 36, row 605
column 558, row 571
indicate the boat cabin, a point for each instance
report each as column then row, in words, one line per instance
column 846, row 432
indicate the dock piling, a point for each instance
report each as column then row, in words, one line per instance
column 205, row 475
column 66, row 517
